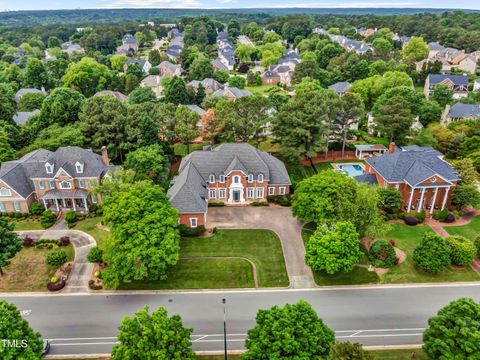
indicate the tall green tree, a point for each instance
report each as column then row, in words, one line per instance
column 416, row 48
column 154, row 57
column 10, row 243
column 175, row 91
column 351, row 110
column 61, row 107
column 30, row 102
column 14, row 328
column 442, row 95
column 153, row 336
column 200, row 68
column 186, row 125
column 87, row 76
column 292, row 332
column 141, row 95
column 144, row 239
column 149, row 162
column 35, row 74
column 335, row 249
column 454, row 332
column 6, row 151
column 394, row 120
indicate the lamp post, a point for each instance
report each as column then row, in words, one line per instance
column 224, row 302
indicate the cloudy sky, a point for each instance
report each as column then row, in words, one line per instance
column 88, row 4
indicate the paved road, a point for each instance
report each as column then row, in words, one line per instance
column 277, row 219
column 78, row 324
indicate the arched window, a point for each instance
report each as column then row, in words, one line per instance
column 260, row 177
column 211, row 178
column 236, row 179
column 250, row 178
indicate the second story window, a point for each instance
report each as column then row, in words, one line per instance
column 65, row 185
column 5, row 192
column 41, row 184
column 250, row 178
column 236, row 179
column 81, row 184
column 221, row 178
column 260, row 177
column 51, row 184
column 211, row 178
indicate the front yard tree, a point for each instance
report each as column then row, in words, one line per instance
column 416, row 49
column 153, row 336
column 292, row 332
column 6, row 151
column 454, row 333
column 149, row 162
column 14, row 328
column 10, row 243
column 200, row 68
column 144, row 239
column 175, row 91
column 443, row 95
column 335, row 249
column 433, row 253
column 465, row 195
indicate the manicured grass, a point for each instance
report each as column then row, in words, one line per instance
column 201, row 274
column 23, row 225
column 399, row 354
column 268, row 146
column 28, row 272
column 299, row 172
column 470, row 231
column 262, row 247
column 181, row 149
column 263, row 89
column 407, row 238
column 90, row 227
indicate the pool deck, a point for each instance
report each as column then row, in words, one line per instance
column 338, row 167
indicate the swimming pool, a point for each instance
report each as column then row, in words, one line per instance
column 351, row 169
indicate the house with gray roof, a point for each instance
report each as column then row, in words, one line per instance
column 143, row 63
column 21, row 117
column 340, row 88
column 457, row 83
column 232, row 173
column 19, row 94
column 209, row 84
column 425, row 180
column 60, row 180
column 232, row 92
column 167, row 68
column 460, row 111
column 116, row 94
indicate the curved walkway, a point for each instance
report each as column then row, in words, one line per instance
column 281, row 221
column 82, row 242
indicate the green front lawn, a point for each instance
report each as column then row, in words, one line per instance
column 407, row 238
column 90, row 226
column 195, row 270
column 470, row 231
column 24, row 225
column 184, row 150
column 264, row 89
column 28, row 272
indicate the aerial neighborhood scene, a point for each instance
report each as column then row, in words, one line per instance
column 238, row 180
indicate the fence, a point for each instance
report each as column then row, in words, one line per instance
column 332, row 155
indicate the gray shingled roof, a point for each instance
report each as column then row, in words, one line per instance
column 458, row 80
column 340, row 87
column 237, row 93
column 17, row 173
column 188, row 192
column 412, row 164
column 116, row 94
column 21, row 117
column 370, row 179
column 195, row 108
column 465, row 111
column 24, row 91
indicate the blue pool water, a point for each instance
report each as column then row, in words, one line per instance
column 352, row 170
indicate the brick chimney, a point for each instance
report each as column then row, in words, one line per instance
column 105, row 159
column 391, row 148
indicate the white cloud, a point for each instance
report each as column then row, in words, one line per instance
column 152, row 4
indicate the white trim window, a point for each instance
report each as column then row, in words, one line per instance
column 250, row 178
column 41, row 184
column 236, row 179
column 260, row 177
column 5, row 192
column 222, row 193
column 49, row 168
column 94, row 198
column 221, row 178
column 282, row 190
column 250, row 192
column 51, row 184
column 271, row 191
column 193, row 222
column 260, row 193
column 79, row 167
column 211, row 178
column 2, row 207
column 212, row 193
column 16, row 206
column 81, row 184
column 65, row 185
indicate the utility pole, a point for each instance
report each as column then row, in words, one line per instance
column 224, row 301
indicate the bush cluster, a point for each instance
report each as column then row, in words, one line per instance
column 444, row 215
column 191, row 232
column 477, row 244
column 59, row 285
column 259, row 203
column 283, row 200
column 93, row 286
column 71, row 218
column 382, row 254
column 95, row 255
column 48, row 219
column 411, row 220
column 216, row 204
column 46, row 243
column 64, row 241
column 27, row 241
column 36, row 209
column 462, row 250
column 56, row 258
column 433, row 253
column 14, row 215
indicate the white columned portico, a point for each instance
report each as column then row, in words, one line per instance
column 74, row 206
column 420, row 205
column 411, row 198
column 445, row 198
column 45, row 204
column 56, row 204
column 85, row 203
column 434, row 200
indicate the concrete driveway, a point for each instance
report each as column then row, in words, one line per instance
column 277, row 219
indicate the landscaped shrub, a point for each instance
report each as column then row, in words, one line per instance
column 477, row 244
column 433, row 253
column 95, row 255
column 441, row 214
column 57, row 286
column 216, row 204
column 64, row 241
column 93, row 286
column 259, row 203
column 462, row 250
column 54, row 279
column 27, row 241
column 390, row 200
column 382, row 254
column 283, row 200
column 450, row 218
column 411, row 220
column 48, row 219
column 56, row 258
column 46, row 244
column 36, row 209
column 71, row 218
column 190, row 232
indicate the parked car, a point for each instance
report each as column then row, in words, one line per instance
column 46, row 347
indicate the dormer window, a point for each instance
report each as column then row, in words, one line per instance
column 211, row 178
column 49, row 168
column 79, row 167
column 221, row 178
column 260, row 177
column 250, row 178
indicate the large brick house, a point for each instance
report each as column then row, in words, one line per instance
column 233, row 173
column 425, row 180
column 59, row 180
column 457, row 83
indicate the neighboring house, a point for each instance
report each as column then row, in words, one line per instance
column 270, row 78
column 21, row 117
column 425, row 180
column 70, row 47
column 434, row 49
column 233, row 173
column 457, row 83
column 176, row 44
column 245, row 40
column 115, row 94
column 226, row 50
column 470, row 62
column 348, row 44
column 340, row 88
column 129, row 44
column 364, row 151
column 232, row 92
column 364, row 32
column 209, row 84
column 284, row 72
column 144, row 65
column 218, row 65
column 24, row 91
column 446, row 66
column 155, row 83
column 168, row 69
column 60, row 180
column 460, row 111
column 201, row 122
column 476, row 85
